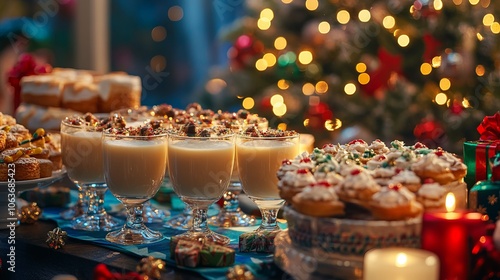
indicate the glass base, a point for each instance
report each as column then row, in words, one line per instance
column 207, row 235
column 71, row 213
column 128, row 236
column 152, row 214
column 232, row 219
column 103, row 222
column 182, row 221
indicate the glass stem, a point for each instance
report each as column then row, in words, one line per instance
column 200, row 217
column 231, row 203
column 96, row 201
column 269, row 217
column 135, row 220
column 82, row 204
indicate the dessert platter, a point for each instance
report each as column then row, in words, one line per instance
column 343, row 200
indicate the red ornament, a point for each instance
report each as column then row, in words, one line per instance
column 432, row 47
column 244, row 51
column 429, row 132
column 389, row 63
column 318, row 114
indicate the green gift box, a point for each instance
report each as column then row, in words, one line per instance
column 213, row 255
column 476, row 157
column 483, row 198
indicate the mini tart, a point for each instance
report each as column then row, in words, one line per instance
column 302, row 161
column 408, row 179
column 393, row 203
column 433, row 167
column 318, row 200
column 326, row 172
column 457, row 167
column 432, row 196
column 293, row 182
column 358, row 187
column 26, row 168
column 383, row 175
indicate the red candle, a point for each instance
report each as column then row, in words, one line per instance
column 451, row 235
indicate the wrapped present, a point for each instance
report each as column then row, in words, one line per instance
column 187, row 253
column 175, row 240
column 260, row 241
column 478, row 153
column 214, row 255
column 484, row 195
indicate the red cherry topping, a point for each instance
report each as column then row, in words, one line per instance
column 361, row 141
column 381, row 158
column 419, row 145
column 355, row 172
column 439, row 153
column 428, row 181
column 398, row 170
column 286, row 162
column 302, row 171
column 322, row 184
column 327, row 146
column 394, row 187
column 306, row 160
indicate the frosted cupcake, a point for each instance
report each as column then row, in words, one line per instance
column 433, row 167
column 408, row 179
column 318, row 200
column 302, row 161
column 358, row 187
column 394, row 202
column 293, row 182
column 432, row 196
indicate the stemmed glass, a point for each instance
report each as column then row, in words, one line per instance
column 134, row 167
column 81, row 152
column 200, row 167
column 259, row 156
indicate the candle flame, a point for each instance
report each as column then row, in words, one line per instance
column 401, row 260
column 450, row 202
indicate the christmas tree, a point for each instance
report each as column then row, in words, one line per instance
column 424, row 70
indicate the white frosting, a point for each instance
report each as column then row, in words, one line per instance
column 376, row 162
column 455, row 162
column 383, row 172
column 397, row 145
column 73, row 74
column 358, row 146
column 432, row 191
column 105, row 83
column 42, row 85
column 431, row 162
column 332, row 149
column 378, row 147
column 295, row 164
column 79, row 92
column 406, row 177
column 331, row 177
column 318, row 193
column 388, row 197
column 359, row 181
column 297, row 179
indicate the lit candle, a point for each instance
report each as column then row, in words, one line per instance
column 400, row 264
column 450, row 235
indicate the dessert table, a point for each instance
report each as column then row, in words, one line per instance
column 84, row 250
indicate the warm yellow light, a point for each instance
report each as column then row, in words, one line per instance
column 488, row 19
column 158, row 63
column 308, row 89
column 457, row 2
column 445, row 84
column 364, row 78
column 436, row 61
column 361, row 67
column 270, row 59
column 277, row 99
column 388, row 22
column 343, row 17
column 480, row 70
column 441, row 98
column 306, row 122
column 425, row 68
column 479, row 36
column 485, row 3
column 158, row 33
column 438, row 5
column 283, row 84
column 261, row 64
column 450, row 202
column 267, row 13
column 305, row 57
column 403, row 40
column 350, row 89
column 466, row 103
column 287, row 1
column 312, row 5
column 263, row 24
column 321, row 87
column 364, row 15
column 175, row 13
column 401, row 260
column 215, row 86
column 248, row 103
column 331, row 125
column 323, row 27
column 279, row 110
column 473, row 2
column 282, row 126
column 280, row 43
column 495, row 27
column 313, row 69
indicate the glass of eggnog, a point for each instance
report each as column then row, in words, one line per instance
column 200, row 161
column 259, row 155
column 81, row 152
column 134, row 168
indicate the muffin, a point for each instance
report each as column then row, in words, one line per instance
column 318, row 200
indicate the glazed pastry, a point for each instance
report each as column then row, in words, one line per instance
column 394, row 202
column 318, row 200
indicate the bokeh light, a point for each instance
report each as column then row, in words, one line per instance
column 389, row 22
column 343, row 17
column 158, row 63
column 248, row 103
column 158, row 33
column 308, row 89
column 323, row 27
column 364, row 78
column 305, row 57
column 270, row 59
column 175, row 13
column 215, row 86
column 445, row 84
column 276, row 100
column 350, row 89
column 312, row 5
column 425, row 68
column 361, row 67
column 364, row 15
column 280, row 43
column 441, row 98
column 283, row 84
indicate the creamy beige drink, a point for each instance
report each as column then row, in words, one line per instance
column 134, row 168
column 81, row 152
column 200, row 170
column 259, row 160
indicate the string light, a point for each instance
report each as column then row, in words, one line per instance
column 445, row 84
column 441, row 98
column 283, row 84
column 343, row 17
column 404, row 40
column 388, row 22
column 280, row 110
column 248, row 103
column 350, row 89
column 261, row 64
column 323, row 27
column 436, row 61
column 270, row 59
column 480, row 70
column 425, row 68
column 361, row 67
column 263, row 24
column 276, row 100
column 488, row 19
column 267, row 13
column 495, row 27
column 364, row 78
column 321, row 87
column 438, row 5
column 364, row 15
column 312, row 5
column 305, row 57
column 308, row 89
column 280, row 43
